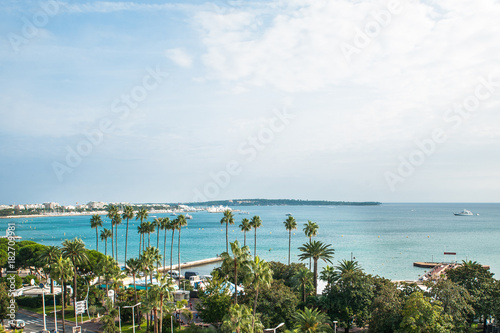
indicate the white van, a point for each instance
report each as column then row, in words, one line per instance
column 174, row 274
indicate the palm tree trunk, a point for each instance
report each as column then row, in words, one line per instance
column 227, row 242
column 309, row 257
column 289, row 244
column 158, row 238
column 171, row 251
column 135, row 292
column 235, row 281
column 161, row 313
column 106, row 247
column 156, row 320
column 116, row 242
column 96, row 240
column 112, row 239
column 255, row 308
column 255, row 244
column 149, row 238
column 315, row 277
column 245, row 239
column 63, row 301
column 74, row 290
column 179, row 255
column 164, row 252
column 126, row 242
column 140, row 244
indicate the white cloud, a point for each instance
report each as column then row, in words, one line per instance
column 180, row 57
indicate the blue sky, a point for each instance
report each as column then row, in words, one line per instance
column 393, row 101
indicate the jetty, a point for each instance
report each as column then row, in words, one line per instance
column 192, row 264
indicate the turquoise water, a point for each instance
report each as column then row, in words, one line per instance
column 385, row 239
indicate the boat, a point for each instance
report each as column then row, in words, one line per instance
column 173, row 214
column 465, row 212
column 189, row 217
column 288, row 214
column 243, row 213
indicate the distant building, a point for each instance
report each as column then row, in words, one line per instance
column 96, row 205
column 34, row 206
column 19, row 207
column 69, row 207
column 81, row 206
column 5, row 207
column 51, row 205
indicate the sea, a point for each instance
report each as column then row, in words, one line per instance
column 385, row 239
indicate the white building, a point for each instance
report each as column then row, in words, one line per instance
column 19, row 207
column 51, row 205
column 81, row 206
column 69, row 207
column 96, row 205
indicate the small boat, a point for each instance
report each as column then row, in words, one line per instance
column 288, row 214
column 243, row 213
column 465, row 212
column 173, row 214
column 189, row 217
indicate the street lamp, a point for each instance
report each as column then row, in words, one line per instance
column 335, row 323
column 133, row 316
column 274, row 329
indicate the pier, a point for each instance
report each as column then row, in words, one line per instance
column 192, row 264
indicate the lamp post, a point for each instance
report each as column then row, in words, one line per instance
column 42, row 286
column 335, row 323
column 133, row 316
column 55, row 311
column 274, row 329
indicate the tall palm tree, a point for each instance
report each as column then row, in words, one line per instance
column 173, row 227
column 256, row 223
column 142, row 215
column 348, row 266
column 128, row 213
column 112, row 212
column 245, row 226
column 239, row 260
column 303, row 277
column 228, row 219
column 164, row 225
column 290, row 224
column 181, row 222
column 75, row 250
column 262, row 276
column 329, row 275
column 141, row 230
column 312, row 321
column 96, row 222
column 311, row 230
column 105, row 234
column 133, row 268
column 116, row 221
column 62, row 270
column 150, row 228
column 165, row 287
column 48, row 257
column 157, row 223
column 316, row 250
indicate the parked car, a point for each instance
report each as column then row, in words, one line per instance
column 17, row 324
column 174, row 274
column 187, row 275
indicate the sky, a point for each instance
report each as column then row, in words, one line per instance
column 162, row 101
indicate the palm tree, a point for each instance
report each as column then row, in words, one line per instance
column 290, row 224
column 328, row 274
column 227, row 219
column 311, row 321
column 141, row 215
column 165, row 225
column 173, row 227
column 141, row 230
column 49, row 257
column 311, row 230
column 245, row 226
column 239, row 260
column 303, row 277
column 348, row 266
column 150, row 228
column 112, row 212
column 105, row 234
column 165, row 288
column 255, row 223
column 157, row 224
column 128, row 213
column 62, row 270
column 239, row 319
column 96, row 222
column 152, row 257
column 316, row 250
column 74, row 250
column 262, row 276
column 133, row 268
column 181, row 222
column 116, row 221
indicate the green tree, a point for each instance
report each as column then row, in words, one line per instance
column 96, row 222
column 310, row 230
column 261, row 277
column 479, row 282
column 245, row 227
column 420, row 315
column 386, row 308
column 239, row 319
column 312, row 321
column 329, row 275
column 75, row 251
column 62, row 271
column 173, row 227
column 228, row 219
column 134, row 268
column 105, row 234
column 49, row 257
column 165, row 225
column 215, row 300
column 112, row 212
column 4, row 302
column 455, row 301
column 141, row 215
column 256, row 223
column 116, row 221
column 239, row 260
column 316, row 250
column 348, row 266
column 303, row 278
column 128, row 213
column 290, row 224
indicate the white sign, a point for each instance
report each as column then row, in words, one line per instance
column 81, row 307
column 77, row 329
column 111, row 293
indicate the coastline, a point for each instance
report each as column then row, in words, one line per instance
column 53, row 215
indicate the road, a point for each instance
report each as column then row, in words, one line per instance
column 34, row 323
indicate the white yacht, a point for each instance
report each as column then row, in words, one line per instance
column 465, row 212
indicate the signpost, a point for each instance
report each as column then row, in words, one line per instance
column 80, row 308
